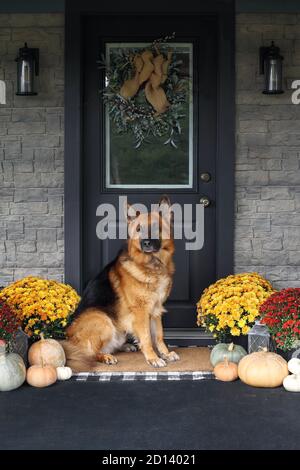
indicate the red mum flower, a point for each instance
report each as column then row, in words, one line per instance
column 8, row 323
column 281, row 313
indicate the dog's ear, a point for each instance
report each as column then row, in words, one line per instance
column 164, row 200
column 165, row 207
column 130, row 213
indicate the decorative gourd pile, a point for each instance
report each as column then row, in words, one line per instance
column 47, row 365
column 292, row 382
column 225, row 357
column 233, row 352
column 47, row 360
column 259, row 369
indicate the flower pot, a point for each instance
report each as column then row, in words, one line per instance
column 239, row 340
column 19, row 345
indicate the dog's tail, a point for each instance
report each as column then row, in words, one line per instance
column 77, row 360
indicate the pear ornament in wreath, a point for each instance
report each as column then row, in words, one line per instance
column 145, row 92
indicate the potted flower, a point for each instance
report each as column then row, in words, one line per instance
column 229, row 307
column 9, row 324
column 281, row 313
column 41, row 305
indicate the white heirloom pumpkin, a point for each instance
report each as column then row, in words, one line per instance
column 46, row 352
column 12, row 370
column 64, row 373
column 292, row 383
column 294, row 365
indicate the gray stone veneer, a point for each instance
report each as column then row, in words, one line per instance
column 267, row 226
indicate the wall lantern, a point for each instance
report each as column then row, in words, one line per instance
column 271, row 67
column 27, row 69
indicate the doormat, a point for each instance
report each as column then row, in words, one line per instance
column 194, row 364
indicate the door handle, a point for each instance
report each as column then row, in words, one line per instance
column 205, row 201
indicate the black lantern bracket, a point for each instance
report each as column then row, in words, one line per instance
column 265, row 51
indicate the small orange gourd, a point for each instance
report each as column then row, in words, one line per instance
column 41, row 376
column 226, row 371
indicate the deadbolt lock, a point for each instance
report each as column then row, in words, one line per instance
column 205, row 177
column 205, row 201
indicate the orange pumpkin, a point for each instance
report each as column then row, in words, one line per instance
column 41, row 376
column 226, row 371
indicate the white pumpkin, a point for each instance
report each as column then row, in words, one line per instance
column 294, row 365
column 292, row 383
column 12, row 370
column 46, row 352
column 64, row 373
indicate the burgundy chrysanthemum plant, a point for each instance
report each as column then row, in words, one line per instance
column 281, row 313
column 8, row 323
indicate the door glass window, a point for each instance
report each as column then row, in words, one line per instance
column 148, row 115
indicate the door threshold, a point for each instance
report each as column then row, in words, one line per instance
column 188, row 337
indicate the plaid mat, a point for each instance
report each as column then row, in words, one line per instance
column 131, row 376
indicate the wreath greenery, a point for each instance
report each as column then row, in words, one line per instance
column 136, row 115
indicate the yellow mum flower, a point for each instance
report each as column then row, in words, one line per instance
column 245, row 330
column 39, row 303
column 235, row 331
column 232, row 303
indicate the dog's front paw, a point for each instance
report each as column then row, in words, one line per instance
column 107, row 359
column 171, row 357
column 157, row 362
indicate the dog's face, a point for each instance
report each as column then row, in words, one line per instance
column 150, row 235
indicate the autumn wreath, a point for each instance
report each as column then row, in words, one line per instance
column 145, row 92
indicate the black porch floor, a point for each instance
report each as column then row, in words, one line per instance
column 149, row 415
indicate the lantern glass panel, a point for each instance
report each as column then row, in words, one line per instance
column 259, row 338
column 26, row 76
column 273, row 75
column 27, row 69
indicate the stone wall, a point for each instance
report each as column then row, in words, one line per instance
column 31, row 152
column 267, row 230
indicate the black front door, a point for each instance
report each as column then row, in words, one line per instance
column 186, row 172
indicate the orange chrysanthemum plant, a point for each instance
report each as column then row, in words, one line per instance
column 230, row 306
column 41, row 305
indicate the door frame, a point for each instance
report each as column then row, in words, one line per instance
column 75, row 11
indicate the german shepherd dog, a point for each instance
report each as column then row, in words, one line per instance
column 126, row 299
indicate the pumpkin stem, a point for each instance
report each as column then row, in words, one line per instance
column 231, row 347
column 226, row 362
column 42, row 336
column 263, row 349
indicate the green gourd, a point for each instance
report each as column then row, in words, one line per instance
column 12, row 370
column 232, row 352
